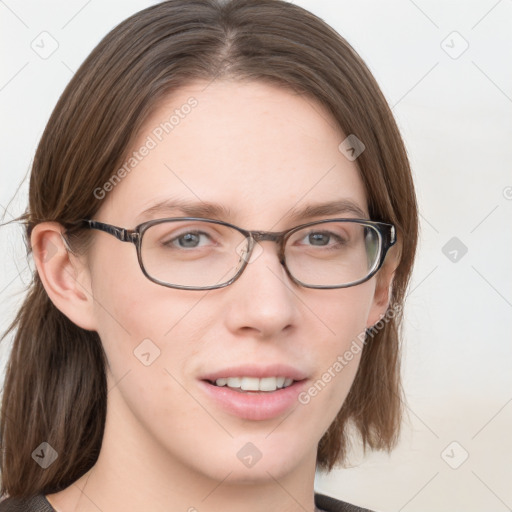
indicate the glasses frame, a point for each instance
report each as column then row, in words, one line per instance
column 386, row 232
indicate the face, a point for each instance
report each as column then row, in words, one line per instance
column 262, row 153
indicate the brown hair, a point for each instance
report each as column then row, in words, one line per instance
column 55, row 384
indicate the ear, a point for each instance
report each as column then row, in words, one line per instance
column 65, row 277
column 383, row 287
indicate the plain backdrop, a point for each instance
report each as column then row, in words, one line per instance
column 446, row 71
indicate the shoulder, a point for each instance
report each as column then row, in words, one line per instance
column 33, row 504
column 328, row 504
column 40, row 504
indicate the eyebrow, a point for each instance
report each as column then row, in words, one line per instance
column 217, row 211
column 338, row 207
column 189, row 208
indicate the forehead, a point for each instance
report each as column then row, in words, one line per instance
column 257, row 150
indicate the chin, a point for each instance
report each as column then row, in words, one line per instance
column 253, row 459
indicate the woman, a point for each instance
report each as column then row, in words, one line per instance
column 223, row 221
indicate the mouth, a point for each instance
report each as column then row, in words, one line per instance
column 255, row 393
column 264, row 398
column 246, row 384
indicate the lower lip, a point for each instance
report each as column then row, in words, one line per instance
column 262, row 405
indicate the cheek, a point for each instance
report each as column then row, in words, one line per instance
column 346, row 312
column 136, row 317
column 149, row 335
column 127, row 304
column 345, row 315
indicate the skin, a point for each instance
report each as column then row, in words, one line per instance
column 259, row 150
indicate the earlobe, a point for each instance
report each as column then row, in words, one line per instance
column 62, row 274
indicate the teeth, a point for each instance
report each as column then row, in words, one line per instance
column 234, row 382
column 255, row 384
column 251, row 384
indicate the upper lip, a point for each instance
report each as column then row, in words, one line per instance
column 251, row 370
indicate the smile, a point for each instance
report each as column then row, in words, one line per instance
column 254, row 383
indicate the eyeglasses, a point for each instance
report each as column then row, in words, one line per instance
column 193, row 253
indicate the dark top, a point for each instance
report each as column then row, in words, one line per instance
column 40, row 504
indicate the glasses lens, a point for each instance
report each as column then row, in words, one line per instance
column 192, row 253
column 333, row 253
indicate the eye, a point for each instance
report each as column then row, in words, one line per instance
column 322, row 239
column 188, row 240
column 319, row 238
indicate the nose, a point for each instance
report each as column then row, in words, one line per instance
column 263, row 300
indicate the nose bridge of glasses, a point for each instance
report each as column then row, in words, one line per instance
column 266, row 236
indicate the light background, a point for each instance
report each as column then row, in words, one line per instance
column 454, row 109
